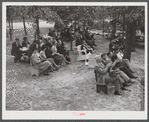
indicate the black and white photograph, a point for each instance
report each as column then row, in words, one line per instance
column 74, row 60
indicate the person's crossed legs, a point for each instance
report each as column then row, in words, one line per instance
column 116, row 81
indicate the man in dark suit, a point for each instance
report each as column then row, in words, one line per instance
column 32, row 47
column 16, row 50
column 25, row 42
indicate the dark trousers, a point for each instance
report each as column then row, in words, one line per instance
column 127, row 71
column 17, row 56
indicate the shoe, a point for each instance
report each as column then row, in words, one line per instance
column 68, row 62
column 117, row 93
column 46, row 74
column 134, row 77
column 123, row 88
column 130, row 81
column 132, row 71
column 126, row 84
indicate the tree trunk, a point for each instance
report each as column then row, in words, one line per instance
column 123, row 24
column 71, row 44
column 103, row 23
column 113, row 28
column 109, row 26
column 103, row 27
column 37, row 29
column 10, row 29
column 11, row 23
column 130, row 39
column 127, row 51
column 24, row 25
column 133, row 36
column 37, row 33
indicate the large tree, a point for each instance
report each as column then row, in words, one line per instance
column 134, row 18
column 22, row 13
column 129, row 18
column 10, row 15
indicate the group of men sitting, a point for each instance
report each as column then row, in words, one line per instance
column 16, row 48
column 84, row 37
column 112, row 69
column 118, row 43
column 47, row 54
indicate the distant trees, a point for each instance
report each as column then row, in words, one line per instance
column 134, row 18
column 126, row 17
column 32, row 12
column 129, row 18
column 22, row 13
column 9, row 16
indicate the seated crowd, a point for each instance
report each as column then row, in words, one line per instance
column 85, row 39
column 49, row 54
column 55, row 42
column 112, row 69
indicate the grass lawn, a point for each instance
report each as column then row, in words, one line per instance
column 64, row 90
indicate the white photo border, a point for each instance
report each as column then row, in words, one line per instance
column 60, row 115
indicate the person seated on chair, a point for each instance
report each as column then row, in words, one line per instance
column 93, row 40
column 102, row 76
column 90, row 41
column 43, row 56
column 61, row 48
column 78, row 39
column 106, row 61
column 55, row 53
column 16, row 50
column 42, row 65
column 125, row 67
column 49, row 54
column 104, row 58
column 123, row 63
column 84, row 46
column 115, row 68
column 109, row 55
column 50, row 33
column 31, row 48
column 25, row 42
column 112, row 45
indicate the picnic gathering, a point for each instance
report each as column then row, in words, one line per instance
column 75, row 58
column 50, row 53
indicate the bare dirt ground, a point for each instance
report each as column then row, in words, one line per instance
column 72, row 88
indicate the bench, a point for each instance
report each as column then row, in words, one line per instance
column 100, row 87
column 34, row 70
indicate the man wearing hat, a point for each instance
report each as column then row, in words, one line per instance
column 16, row 50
